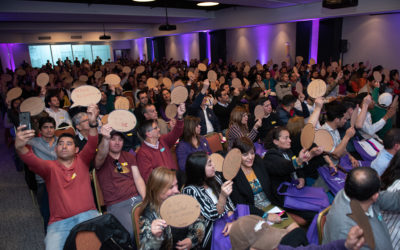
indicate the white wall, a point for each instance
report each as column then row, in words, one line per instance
column 183, row 47
column 262, row 42
column 375, row 38
column 139, row 49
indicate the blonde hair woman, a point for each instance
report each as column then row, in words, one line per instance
column 154, row 231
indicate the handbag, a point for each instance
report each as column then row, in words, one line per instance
column 305, row 199
column 219, row 241
column 334, row 182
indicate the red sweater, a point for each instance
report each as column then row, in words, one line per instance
column 69, row 189
column 149, row 158
column 116, row 186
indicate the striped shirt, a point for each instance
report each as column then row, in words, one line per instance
column 392, row 219
column 207, row 207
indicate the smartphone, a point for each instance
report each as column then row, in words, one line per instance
column 25, row 119
column 284, row 216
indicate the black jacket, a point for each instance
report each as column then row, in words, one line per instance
column 242, row 192
column 108, row 229
column 280, row 170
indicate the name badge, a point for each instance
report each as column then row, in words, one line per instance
column 162, row 150
column 273, row 122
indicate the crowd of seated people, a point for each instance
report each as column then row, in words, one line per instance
column 162, row 156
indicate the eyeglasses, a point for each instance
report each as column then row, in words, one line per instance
column 118, row 165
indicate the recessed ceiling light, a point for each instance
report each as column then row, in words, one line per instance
column 143, row 1
column 207, row 4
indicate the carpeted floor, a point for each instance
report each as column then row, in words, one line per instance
column 21, row 225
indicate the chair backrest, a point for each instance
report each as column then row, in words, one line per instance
column 98, row 192
column 136, row 211
column 60, row 131
column 321, row 222
column 214, row 141
column 86, row 240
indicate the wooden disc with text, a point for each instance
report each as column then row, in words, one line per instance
column 179, row 95
column 232, row 163
column 377, row 76
column 140, row 69
column 202, row 67
column 112, row 79
column 212, row 76
column 126, row 69
column 121, row 103
column 152, row 83
column 122, row 120
column 324, row 139
column 259, row 112
column 98, row 74
column 104, row 119
column 316, row 88
column 307, row 136
column 236, row 83
column 85, row 95
column 167, row 82
column 13, row 93
column 180, row 210
column 171, row 110
column 34, row 105
column 42, row 79
column 83, row 78
column 362, row 220
column 218, row 161
column 173, row 70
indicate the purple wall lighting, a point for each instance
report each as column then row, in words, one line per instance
column 209, row 46
column 6, row 52
column 186, row 41
column 261, row 35
column 314, row 39
column 140, row 45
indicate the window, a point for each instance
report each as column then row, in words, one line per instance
column 61, row 51
column 39, row 55
column 82, row 51
column 102, row 51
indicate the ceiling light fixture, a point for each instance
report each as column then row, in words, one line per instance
column 143, row 1
column 207, row 4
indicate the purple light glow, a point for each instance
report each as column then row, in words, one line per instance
column 314, row 39
column 140, row 46
column 208, row 47
column 262, row 33
column 186, row 41
column 6, row 53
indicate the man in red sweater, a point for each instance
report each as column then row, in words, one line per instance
column 67, row 180
column 155, row 149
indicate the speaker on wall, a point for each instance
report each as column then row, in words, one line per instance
column 336, row 4
column 343, row 46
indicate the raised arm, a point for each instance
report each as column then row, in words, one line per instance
column 139, row 182
column 103, row 147
column 314, row 117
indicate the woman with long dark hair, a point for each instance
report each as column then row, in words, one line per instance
column 206, row 186
column 191, row 141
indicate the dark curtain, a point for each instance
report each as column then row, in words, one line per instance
column 159, row 48
column 303, row 39
column 203, row 45
column 329, row 39
column 149, row 43
column 218, row 45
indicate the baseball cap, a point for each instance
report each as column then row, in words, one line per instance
column 253, row 231
column 385, row 99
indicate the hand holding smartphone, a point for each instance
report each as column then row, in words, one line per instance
column 25, row 119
